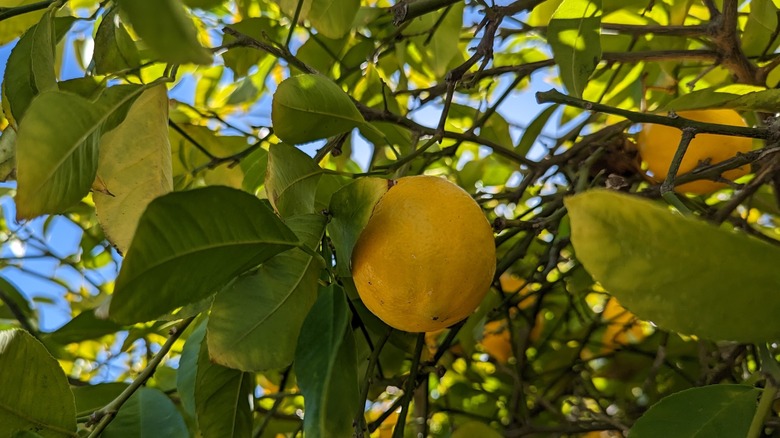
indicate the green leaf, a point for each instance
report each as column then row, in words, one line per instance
column 115, row 49
column 573, row 35
column 148, row 412
column 669, row 269
column 30, row 67
column 57, row 147
column 255, row 321
column 333, row 18
column 255, row 166
column 708, row 411
column 84, row 326
column 326, row 366
column 222, row 399
column 759, row 36
column 441, row 48
column 188, row 368
column 291, row 180
column 134, row 167
column 533, row 130
column 721, row 97
column 190, row 244
column 25, row 387
column 311, row 107
column 7, row 154
column 241, row 59
column 90, row 398
column 351, row 208
column 167, row 29
column 11, row 296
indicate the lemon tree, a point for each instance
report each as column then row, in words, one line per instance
column 389, row 218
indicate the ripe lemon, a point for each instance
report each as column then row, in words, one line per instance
column 427, row 256
column 497, row 341
column 623, row 327
column 658, row 143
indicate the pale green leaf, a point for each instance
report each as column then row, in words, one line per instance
column 573, row 34
column 134, row 166
column 222, row 399
column 350, row 210
column 254, row 322
column 24, row 387
column 708, row 411
column 718, row 97
column 333, row 18
column 311, row 107
column 291, row 180
column 668, row 269
column 326, row 366
column 57, row 147
column 190, row 244
column 148, row 412
column 167, row 29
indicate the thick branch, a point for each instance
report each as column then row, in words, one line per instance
column 6, row 13
column 726, row 39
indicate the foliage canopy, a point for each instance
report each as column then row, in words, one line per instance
column 217, row 160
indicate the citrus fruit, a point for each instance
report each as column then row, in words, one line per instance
column 426, row 257
column 658, row 143
column 623, row 327
column 497, row 341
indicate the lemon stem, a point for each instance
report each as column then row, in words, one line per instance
column 411, row 383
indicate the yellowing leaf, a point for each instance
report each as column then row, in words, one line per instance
column 681, row 273
column 134, row 166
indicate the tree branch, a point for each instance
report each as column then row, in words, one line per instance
column 105, row 415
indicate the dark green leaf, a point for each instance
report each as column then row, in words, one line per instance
column 167, row 29
column 533, row 130
column 115, row 50
column 190, row 244
column 291, row 180
column 29, row 375
column 573, row 34
column 222, row 399
column 188, row 368
column 326, row 366
column 91, row 398
column 351, row 207
column 255, row 321
column 84, row 326
column 668, row 269
column 148, row 412
column 709, row 411
column 10, row 296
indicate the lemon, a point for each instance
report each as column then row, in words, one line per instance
column 426, row 257
column 658, row 143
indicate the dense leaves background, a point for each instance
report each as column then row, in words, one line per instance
column 186, row 181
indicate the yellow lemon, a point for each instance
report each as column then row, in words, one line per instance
column 427, row 256
column 658, row 143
